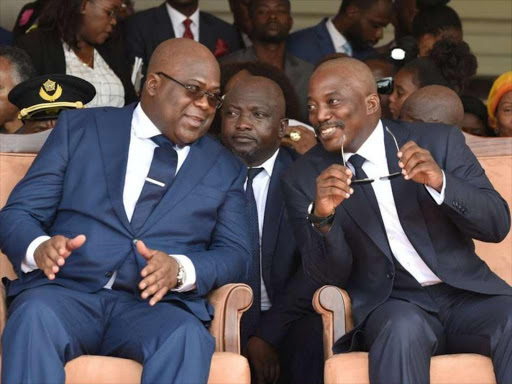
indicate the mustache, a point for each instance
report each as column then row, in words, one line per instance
column 330, row 124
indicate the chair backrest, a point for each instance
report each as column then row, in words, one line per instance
column 495, row 156
column 13, row 166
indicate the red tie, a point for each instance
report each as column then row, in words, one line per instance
column 188, row 32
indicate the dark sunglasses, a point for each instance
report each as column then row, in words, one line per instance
column 196, row 93
column 368, row 180
column 385, row 86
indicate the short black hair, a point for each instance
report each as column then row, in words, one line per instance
column 256, row 68
column 434, row 20
column 253, row 3
column 23, row 69
column 475, row 106
column 450, row 64
column 361, row 4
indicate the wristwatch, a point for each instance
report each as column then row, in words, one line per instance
column 180, row 278
column 318, row 221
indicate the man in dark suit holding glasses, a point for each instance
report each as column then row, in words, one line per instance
column 388, row 212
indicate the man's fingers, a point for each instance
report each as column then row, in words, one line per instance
column 151, row 276
column 158, row 296
column 405, row 147
column 75, row 243
column 152, row 289
column 144, row 251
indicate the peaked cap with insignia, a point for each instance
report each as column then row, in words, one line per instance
column 43, row 97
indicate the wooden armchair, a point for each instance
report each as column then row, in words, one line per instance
column 333, row 303
column 229, row 301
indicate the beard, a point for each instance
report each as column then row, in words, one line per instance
column 353, row 35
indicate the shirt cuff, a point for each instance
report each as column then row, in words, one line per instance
column 189, row 282
column 438, row 197
column 29, row 263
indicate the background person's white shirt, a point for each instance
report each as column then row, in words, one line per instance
column 140, row 155
column 178, row 18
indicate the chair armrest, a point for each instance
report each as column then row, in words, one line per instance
column 334, row 305
column 230, row 302
column 3, row 313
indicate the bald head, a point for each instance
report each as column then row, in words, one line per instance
column 433, row 104
column 174, row 53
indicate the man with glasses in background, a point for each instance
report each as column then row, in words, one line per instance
column 126, row 221
column 388, row 212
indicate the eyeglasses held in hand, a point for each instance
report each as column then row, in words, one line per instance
column 369, row 180
column 196, row 93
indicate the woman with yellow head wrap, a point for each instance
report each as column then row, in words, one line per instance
column 499, row 105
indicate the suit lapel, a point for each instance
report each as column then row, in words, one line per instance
column 405, row 195
column 114, row 127
column 206, row 37
column 325, row 41
column 163, row 28
column 360, row 208
column 273, row 214
column 193, row 170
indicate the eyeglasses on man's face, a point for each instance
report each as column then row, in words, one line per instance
column 370, row 180
column 196, row 93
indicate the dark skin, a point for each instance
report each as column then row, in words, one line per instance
column 364, row 27
column 185, row 7
column 179, row 121
column 253, row 123
column 96, row 27
column 270, row 24
column 240, row 11
column 344, row 108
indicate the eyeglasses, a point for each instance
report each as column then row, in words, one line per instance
column 196, row 93
column 368, row 180
column 385, row 86
column 111, row 13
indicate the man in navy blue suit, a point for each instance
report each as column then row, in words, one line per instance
column 354, row 30
column 125, row 221
column 177, row 18
column 282, row 329
column 388, row 211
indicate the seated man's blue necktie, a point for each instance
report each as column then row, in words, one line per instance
column 159, row 179
column 250, row 319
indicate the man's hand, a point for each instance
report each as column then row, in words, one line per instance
column 264, row 361
column 418, row 165
column 306, row 142
column 52, row 254
column 332, row 187
column 159, row 276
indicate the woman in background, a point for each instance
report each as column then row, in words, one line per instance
column 75, row 37
column 499, row 105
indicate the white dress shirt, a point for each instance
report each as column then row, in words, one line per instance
column 338, row 40
column 376, row 165
column 260, row 186
column 140, row 155
column 178, row 18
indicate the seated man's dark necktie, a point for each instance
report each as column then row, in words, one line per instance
column 251, row 318
column 159, row 179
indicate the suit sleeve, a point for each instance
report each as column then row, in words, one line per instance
column 33, row 203
column 470, row 201
column 227, row 260
column 326, row 258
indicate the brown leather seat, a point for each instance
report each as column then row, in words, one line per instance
column 229, row 301
column 333, row 303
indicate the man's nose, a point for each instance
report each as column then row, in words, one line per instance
column 244, row 123
column 323, row 114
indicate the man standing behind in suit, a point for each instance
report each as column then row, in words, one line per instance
column 271, row 22
column 122, row 206
column 282, row 329
column 177, row 18
column 354, row 30
column 388, row 212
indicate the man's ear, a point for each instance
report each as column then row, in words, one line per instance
column 372, row 104
column 283, row 126
column 152, row 83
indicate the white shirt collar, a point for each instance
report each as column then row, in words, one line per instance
column 142, row 125
column 268, row 165
column 337, row 38
column 373, row 149
column 177, row 18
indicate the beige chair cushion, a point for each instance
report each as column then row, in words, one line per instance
column 352, row 368
column 226, row 368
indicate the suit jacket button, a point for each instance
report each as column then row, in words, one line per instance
column 390, row 275
column 134, row 241
column 109, row 274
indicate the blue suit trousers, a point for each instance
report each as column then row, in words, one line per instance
column 50, row 325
